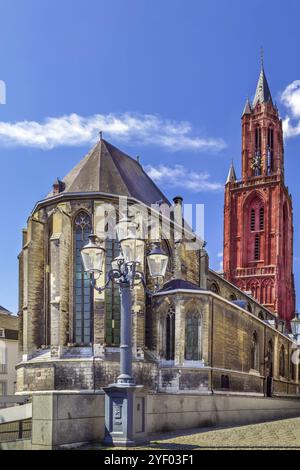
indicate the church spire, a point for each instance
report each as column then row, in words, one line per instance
column 247, row 107
column 231, row 178
column 262, row 94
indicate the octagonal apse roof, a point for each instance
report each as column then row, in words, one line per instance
column 107, row 169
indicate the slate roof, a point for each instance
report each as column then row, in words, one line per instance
column 231, row 178
column 247, row 108
column 107, row 169
column 179, row 284
column 4, row 311
column 9, row 322
column 262, row 94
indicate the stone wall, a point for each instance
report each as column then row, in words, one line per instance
column 166, row 412
column 79, row 375
column 64, row 419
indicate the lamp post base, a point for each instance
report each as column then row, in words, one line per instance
column 125, row 415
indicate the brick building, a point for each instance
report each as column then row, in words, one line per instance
column 200, row 334
column 258, row 213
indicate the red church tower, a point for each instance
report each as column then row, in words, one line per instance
column 258, row 214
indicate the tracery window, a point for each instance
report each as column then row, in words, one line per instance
column 170, row 334
column 83, row 293
column 261, row 315
column 192, row 337
column 214, row 288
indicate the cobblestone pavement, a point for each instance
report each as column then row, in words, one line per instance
column 280, row 434
column 273, row 434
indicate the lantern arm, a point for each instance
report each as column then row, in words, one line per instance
column 140, row 277
column 93, row 282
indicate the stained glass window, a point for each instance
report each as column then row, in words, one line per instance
column 83, row 292
column 112, row 299
column 192, row 337
column 170, row 335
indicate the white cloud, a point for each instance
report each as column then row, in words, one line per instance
column 75, row 130
column 290, row 97
column 180, row 177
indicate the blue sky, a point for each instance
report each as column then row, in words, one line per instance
column 165, row 79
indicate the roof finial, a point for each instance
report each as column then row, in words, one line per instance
column 100, row 135
column 262, row 57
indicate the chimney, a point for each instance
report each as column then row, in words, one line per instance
column 178, row 233
column 58, row 186
column 178, row 218
column 203, row 267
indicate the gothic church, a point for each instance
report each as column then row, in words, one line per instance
column 203, row 332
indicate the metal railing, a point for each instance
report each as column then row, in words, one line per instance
column 15, row 430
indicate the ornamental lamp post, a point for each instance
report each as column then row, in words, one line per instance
column 295, row 325
column 120, row 401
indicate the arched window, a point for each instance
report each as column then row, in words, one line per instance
column 282, row 362
column 248, row 307
column 254, row 363
column 192, row 337
column 83, row 298
column 232, row 297
column 112, row 298
column 261, row 315
column 170, row 335
column 261, row 218
column 214, row 288
column 254, row 228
